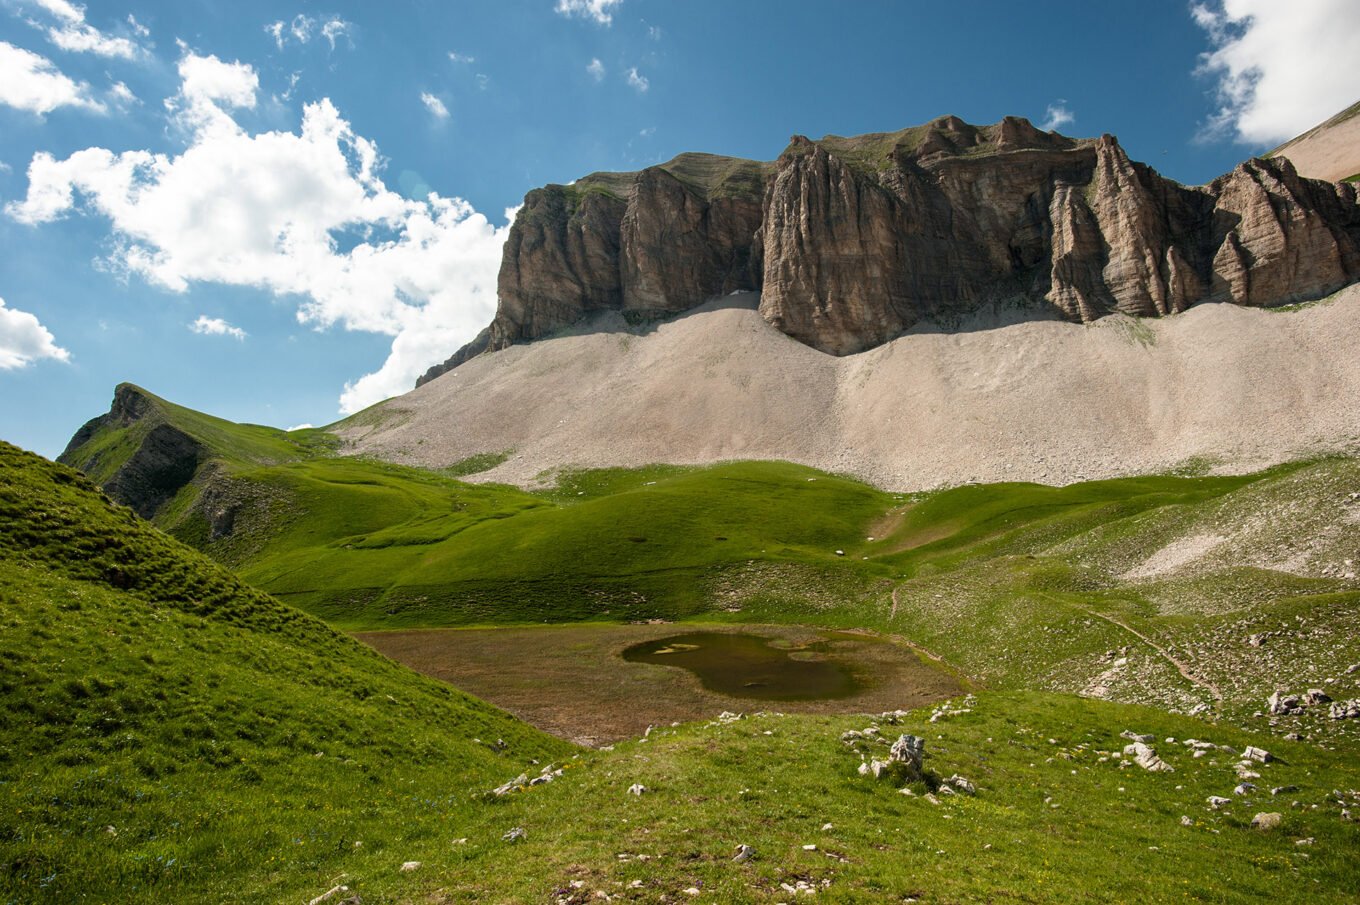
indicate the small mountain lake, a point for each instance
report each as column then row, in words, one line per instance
column 751, row 666
column 597, row 683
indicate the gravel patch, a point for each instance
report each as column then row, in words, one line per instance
column 1221, row 387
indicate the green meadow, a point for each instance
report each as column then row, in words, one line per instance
column 185, row 721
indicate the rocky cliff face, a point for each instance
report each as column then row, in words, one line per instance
column 161, row 461
column 851, row 241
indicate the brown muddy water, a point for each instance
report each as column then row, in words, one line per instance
column 752, row 666
column 598, row 683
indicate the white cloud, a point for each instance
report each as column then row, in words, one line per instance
column 457, row 57
column 1057, row 116
column 303, row 28
column 208, row 88
column 215, row 326
column 596, row 70
column 121, row 93
column 638, row 83
column 304, row 215
column 588, row 9
column 31, row 82
column 434, row 105
column 306, row 425
column 5, row 168
column 72, row 33
column 23, row 340
column 138, row 28
column 1282, row 68
column 333, row 29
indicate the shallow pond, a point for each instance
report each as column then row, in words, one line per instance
column 597, row 683
column 750, row 666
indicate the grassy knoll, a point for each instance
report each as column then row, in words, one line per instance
column 170, row 734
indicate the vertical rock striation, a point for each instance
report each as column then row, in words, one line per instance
column 852, row 241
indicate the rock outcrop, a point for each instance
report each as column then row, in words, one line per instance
column 163, row 461
column 649, row 244
column 852, row 241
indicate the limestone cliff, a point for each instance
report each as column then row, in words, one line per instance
column 852, row 241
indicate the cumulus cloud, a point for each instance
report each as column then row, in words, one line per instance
column 23, row 340
column 72, row 33
column 31, row 82
column 303, row 28
column 216, row 326
column 456, row 57
column 1281, row 68
column 638, row 83
column 597, row 10
column 434, row 105
column 121, row 93
column 304, row 214
column 208, row 88
column 596, row 70
column 1057, row 116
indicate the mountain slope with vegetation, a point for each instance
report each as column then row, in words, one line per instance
column 1145, row 590
column 171, row 734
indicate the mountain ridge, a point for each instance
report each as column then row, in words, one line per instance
column 853, row 241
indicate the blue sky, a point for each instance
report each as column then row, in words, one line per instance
column 278, row 213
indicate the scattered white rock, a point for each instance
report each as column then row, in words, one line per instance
column 637, row 789
column 515, row 834
column 1344, row 710
column 513, row 785
column 910, row 750
column 962, row 784
column 329, row 894
column 1282, row 704
column 744, row 853
column 1267, row 820
column 1144, row 756
column 409, row 866
column 1218, row 801
column 1260, row 755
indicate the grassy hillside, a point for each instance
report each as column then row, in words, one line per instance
column 170, row 734
column 1143, row 589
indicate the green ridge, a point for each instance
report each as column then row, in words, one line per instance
column 171, row 734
